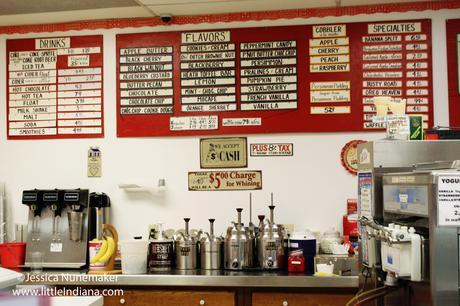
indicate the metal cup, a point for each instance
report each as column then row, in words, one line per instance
column 75, row 225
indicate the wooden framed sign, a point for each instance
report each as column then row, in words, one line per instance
column 281, row 79
column 55, row 87
column 223, row 153
column 224, row 180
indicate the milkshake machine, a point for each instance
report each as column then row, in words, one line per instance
column 409, row 193
column 57, row 227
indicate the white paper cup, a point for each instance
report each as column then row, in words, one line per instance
column 134, row 256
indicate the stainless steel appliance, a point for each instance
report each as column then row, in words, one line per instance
column 270, row 243
column 239, row 242
column 211, row 249
column 62, row 241
column 402, row 239
column 99, row 213
column 186, row 249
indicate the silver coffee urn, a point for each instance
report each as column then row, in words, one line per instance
column 238, row 253
column 270, row 245
column 211, row 249
column 186, row 249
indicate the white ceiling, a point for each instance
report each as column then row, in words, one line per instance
column 16, row 12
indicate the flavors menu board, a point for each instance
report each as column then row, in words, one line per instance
column 453, row 64
column 55, row 87
column 310, row 78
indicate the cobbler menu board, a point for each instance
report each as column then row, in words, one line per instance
column 55, row 87
column 453, row 70
column 310, row 78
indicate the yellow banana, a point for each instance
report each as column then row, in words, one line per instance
column 102, row 251
column 110, row 250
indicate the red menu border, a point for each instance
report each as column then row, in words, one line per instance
column 234, row 17
column 452, row 29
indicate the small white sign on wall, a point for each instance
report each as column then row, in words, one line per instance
column 449, row 200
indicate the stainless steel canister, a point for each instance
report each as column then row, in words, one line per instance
column 270, row 243
column 186, row 250
column 238, row 253
column 211, row 249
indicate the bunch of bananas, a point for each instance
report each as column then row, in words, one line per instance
column 106, row 250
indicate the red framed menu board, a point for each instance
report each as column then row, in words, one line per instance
column 311, row 78
column 453, row 70
column 55, row 87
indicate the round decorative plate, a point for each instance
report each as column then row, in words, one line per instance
column 349, row 156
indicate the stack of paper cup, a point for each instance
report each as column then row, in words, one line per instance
column 381, row 104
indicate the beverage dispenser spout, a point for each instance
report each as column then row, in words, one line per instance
column 53, row 199
column 32, row 198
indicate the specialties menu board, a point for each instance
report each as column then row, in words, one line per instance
column 453, row 64
column 55, row 87
column 311, row 78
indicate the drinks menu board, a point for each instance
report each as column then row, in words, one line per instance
column 310, row 78
column 453, row 64
column 55, row 87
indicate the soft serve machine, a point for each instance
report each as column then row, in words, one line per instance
column 57, row 227
column 409, row 209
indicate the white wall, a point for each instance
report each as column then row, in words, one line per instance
column 310, row 188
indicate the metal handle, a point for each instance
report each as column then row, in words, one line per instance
column 239, row 210
column 202, row 302
column 122, row 301
column 285, row 303
column 211, row 226
column 272, row 207
column 186, row 226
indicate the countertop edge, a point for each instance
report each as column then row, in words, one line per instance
column 194, row 281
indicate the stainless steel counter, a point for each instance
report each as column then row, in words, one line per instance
column 193, row 279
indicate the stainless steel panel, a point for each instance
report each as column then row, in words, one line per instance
column 396, row 154
column 73, row 254
column 199, row 278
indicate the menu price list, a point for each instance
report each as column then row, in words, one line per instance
column 207, row 63
column 310, row 78
column 330, row 53
column 268, row 75
column 396, row 63
column 146, row 80
column 55, row 87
